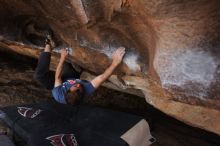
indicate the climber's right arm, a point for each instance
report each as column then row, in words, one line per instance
column 58, row 81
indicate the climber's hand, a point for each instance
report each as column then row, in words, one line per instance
column 118, row 55
column 64, row 53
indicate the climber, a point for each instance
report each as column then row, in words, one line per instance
column 67, row 88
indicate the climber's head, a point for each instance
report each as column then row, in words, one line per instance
column 74, row 95
column 73, row 91
column 69, row 92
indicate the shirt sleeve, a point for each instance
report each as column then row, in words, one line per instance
column 59, row 95
column 88, row 88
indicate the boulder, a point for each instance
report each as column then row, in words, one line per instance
column 172, row 47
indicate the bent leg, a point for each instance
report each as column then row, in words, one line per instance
column 42, row 72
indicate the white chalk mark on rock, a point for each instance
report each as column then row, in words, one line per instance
column 179, row 68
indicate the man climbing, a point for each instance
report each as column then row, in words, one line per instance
column 66, row 86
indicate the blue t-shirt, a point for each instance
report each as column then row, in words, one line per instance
column 60, row 91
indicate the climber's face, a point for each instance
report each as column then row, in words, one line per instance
column 75, row 88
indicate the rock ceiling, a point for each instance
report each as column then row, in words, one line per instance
column 172, row 46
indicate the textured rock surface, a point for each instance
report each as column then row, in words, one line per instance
column 172, row 46
column 165, row 129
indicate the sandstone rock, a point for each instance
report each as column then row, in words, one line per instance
column 172, row 46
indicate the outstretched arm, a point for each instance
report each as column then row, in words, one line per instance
column 116, row 60
column 59, row 69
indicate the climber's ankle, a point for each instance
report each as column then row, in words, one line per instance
column 47, row 48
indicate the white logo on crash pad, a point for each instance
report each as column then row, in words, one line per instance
column 63, row 140
column 29, row 112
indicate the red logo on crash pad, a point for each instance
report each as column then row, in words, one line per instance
column 29, row 112
column 63, row 140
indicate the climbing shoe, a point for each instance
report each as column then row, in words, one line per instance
column 49, row 40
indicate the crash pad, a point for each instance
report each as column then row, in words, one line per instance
column 50, row 123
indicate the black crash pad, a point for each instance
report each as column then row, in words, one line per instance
column 5, row 141
column 50, row 123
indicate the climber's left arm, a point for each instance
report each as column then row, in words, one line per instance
column 116, row 60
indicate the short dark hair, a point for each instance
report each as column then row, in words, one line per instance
column 74, row 98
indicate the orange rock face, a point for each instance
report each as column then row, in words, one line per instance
column 172, row 46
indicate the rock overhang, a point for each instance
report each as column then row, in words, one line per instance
column 172, row 46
